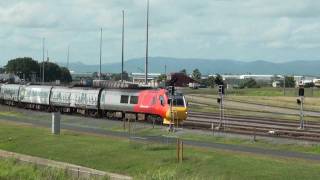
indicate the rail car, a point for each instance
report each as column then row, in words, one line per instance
column 140, row 104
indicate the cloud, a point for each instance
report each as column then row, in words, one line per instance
column 235, row 29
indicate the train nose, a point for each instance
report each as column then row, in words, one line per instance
column 177, row 115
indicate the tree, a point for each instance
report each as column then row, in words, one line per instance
column 52, row 71
column 249, row 83
column 209, row 81
column 290, row 82
column 309, row 85
column 218, row 80
column 162, row 78
column 196, row 75
column 23, row 67
column 65, row 75
column 2, row 70
column 184, row 71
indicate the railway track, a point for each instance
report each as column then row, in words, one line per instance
column 255, row 126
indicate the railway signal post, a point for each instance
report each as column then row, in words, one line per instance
column 171, row 99
column 300, row 101
column 220, row 101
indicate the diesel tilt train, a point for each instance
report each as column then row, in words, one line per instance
column 139, row 104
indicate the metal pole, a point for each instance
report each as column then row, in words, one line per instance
column 43, row 44
column 68, row 56
column 100, row 54
column 122, row 57
column 301, row 113
column 165, row 73
column 284, row 85
column 220, row 123
column 171, row 115
column 147, row 46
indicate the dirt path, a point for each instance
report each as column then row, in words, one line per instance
column 75, row 170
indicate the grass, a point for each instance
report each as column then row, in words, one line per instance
column 150, row 161
column 12, row 169
column 268, row 144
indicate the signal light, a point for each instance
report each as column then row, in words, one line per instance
column 298, row 101
column 171, row 90
column 221, row 89
column 301, row 91
column 218, row 100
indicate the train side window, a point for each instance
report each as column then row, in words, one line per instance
column 134, row 100
column 161, row 100
column 124, row 99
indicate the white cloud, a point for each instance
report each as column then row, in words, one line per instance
column 208, row 29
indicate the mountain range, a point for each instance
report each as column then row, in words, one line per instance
column 206, row 66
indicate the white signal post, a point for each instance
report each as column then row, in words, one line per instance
column 301, row 94
column 221, row 94
column 301, row 113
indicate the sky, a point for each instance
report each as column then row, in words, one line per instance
column 249, row 30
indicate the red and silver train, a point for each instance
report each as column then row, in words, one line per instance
column 141, row 104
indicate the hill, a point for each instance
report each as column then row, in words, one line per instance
column 206, row 66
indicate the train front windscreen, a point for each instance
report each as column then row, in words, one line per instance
column 178, row 101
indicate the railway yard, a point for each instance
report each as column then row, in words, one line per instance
column 251, row 130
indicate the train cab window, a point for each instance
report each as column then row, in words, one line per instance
column 177, row 102
column 134, row 100
column 161, row 100
column 124, row 99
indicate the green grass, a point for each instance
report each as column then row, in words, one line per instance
column 150, row 161
column 12, row 169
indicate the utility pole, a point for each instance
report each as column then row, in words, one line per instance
column 100, row 54
column 301, row 95
column 122, row 57
column 284, row 85
column 147, row 46
column 47, row 55
column 301, row 113
column 165, row 73
column 43, row 49
column 221, row 109
column 68, row 56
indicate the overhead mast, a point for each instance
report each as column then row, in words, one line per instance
column 43, row 49
column 147, row 46
column 100, row 54
column 122, row 57
column 68, row 56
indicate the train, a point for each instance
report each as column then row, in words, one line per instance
column 138, row 104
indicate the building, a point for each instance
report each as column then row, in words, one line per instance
column 180, row 79
column 139, row 78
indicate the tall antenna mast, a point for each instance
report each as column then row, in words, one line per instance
column 47, row 55
column 122, row 57
column 100, row 54
column 43, row 44
column 68, row 55
column 147, row 45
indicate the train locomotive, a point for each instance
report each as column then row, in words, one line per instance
column 139, row 104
